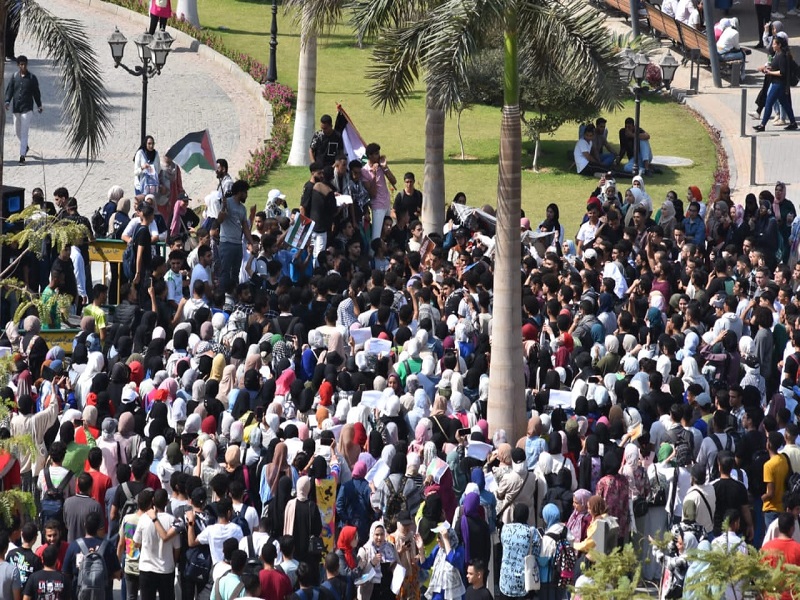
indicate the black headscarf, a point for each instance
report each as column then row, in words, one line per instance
column 150, row 155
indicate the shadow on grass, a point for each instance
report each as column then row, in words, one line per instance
column 223, row 29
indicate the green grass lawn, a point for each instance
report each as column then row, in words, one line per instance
column 244, row 26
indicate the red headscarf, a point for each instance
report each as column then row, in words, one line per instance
column 137, row 372
column 209, row 425
column 361, row 434
column 345, row 544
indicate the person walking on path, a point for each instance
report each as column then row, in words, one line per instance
column 22, row 92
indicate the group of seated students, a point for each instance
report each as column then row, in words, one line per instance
column 593, row 153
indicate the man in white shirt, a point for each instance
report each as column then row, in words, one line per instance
column 583, row 153
column 588, row 231
column 236, row 491
column 202, row 270
column 703, row 497
column 790, row 448
column 215, row 535
column 157, row 558
column 715, row 442
column 791, row 504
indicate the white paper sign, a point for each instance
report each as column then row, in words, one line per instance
column 478, row 450
column 398, row 575
column 378, row 346
column 491, row 484
column 378, row 472
column 372, row 399
column 360, row 336
column 562, row 398
column 343, row 200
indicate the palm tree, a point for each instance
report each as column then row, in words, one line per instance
column 84, row 103
column 85, row 108
column 544, row 39
column 315, row 17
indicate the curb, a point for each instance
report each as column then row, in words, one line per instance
column 733, row 171
column 250, row 85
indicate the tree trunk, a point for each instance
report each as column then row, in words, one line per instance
column 460, row 137
column 535, row 166
column 304, row 118
column 506, row 379
column 187, row 11
column 3, row 113
column 433, row 183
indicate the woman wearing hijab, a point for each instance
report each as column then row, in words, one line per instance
column 89, row 429
column 578, row 522
column 554, row 531
column 676, row 566
column 474, row 529
column 397, row 482
column 443, row 427
column 353, row 505
column 207, row 464
column 33, row 345
column 765, row 231
column 274, row 472
column 84, row 384
column 614, row 490
column 691, row 374
column 301, row 520
column 381, row 556
column 667, row 219
column 157, row 420
column 129, row 440
column 349, row 566
column 446, row 564
column 518, row 541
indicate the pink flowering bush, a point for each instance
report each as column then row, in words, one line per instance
column 264, row 158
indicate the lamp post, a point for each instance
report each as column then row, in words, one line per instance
column 272, row 71
column 633, row 67
column 152, row 50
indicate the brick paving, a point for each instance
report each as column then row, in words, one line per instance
column 196, row 90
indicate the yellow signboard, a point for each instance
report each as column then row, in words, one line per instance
column 60, row 337
column 107, row 250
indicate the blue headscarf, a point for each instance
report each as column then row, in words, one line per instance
column 551, row 514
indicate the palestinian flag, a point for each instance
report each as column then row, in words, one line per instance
column 353, row 142
column 300, row 232
column 194, row 150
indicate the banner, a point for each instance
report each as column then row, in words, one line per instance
column 300, row 232
column 353, row 142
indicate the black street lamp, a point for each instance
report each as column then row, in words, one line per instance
column 153, row 51
column 633, row 67
column 272, row 72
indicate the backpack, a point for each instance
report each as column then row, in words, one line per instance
column 792, row 479
column 131, row 504
column 99, row 225
column 238, row 519
column 563, row 560
column 658, row 489
column 93, row 574
column 129, row 255
column 397, row 502
column 277, row 326
column 794, row 72
column 713, row 470
column 237, row 591
column 198, row 565
column 53, row 499
column 682, row 441
column 334, row 593
column 755, row 471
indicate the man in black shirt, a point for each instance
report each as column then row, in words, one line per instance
column 21, row 94
column 409, row 199
column 48, row 584
column 326, row 144
column 23, row 557
column 144, row 254
column 139, row 469
column 731, row 494
column 476, row 576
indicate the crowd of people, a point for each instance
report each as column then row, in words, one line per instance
column 251, row 418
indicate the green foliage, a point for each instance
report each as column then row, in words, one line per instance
column 749, row 573
column 40, row 226
column 641, row 43
column 13, row 501
column 614, row 576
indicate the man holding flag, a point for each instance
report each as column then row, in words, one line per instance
column 326, row 144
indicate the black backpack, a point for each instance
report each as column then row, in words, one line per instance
column 683, row 443
column 52, row 505
column 396, row 503
column 99, row 224
column 131, row 504
column 238, row 519
column 713, row 469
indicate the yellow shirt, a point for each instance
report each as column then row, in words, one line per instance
column 98, row 314
column 776, row 470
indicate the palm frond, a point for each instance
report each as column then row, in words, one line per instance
column 316, row 16
column 370, row 17
column 568, row 41
column 394, row 68
column 85, row 101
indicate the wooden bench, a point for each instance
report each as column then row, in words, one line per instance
column 663, row 24
column 624, row 7
column 695, row 42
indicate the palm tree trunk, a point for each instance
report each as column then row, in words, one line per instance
column 187, row 10
column 433, row 184
column 506, row 408
column 304, row 118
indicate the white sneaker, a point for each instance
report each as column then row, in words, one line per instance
column 754, row 114
column 793, row 13
column 777, row 15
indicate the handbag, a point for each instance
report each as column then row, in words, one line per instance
column 640, row 506
column 533, row 582
column 315, row 544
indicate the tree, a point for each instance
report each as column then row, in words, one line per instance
column 315, row 17
column 84, row 103
column 550, row 40
column 187, row 11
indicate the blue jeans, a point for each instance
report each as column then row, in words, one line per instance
column 769, row 517
column 645, row 155
column 230, row 255
column 758, row 521
column 778, row 92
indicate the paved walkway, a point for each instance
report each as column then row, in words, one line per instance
column 194, row 92
column 777, row 150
